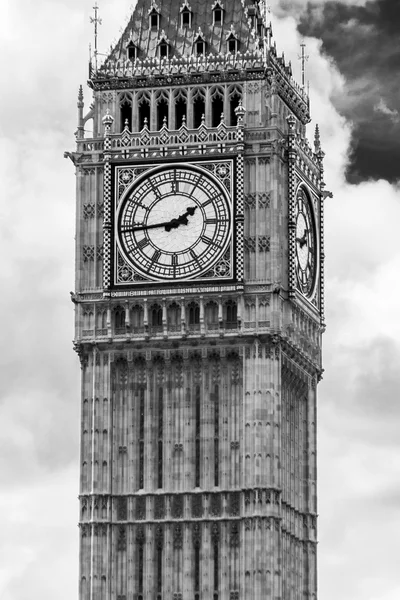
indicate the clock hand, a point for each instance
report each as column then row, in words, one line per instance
column 302, row 241
column 141, row 227
column 173, row 224
column 182, row 220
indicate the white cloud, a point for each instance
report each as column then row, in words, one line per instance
column 382, row 107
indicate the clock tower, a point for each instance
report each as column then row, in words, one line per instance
column 199, row 312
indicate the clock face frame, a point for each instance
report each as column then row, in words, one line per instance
column 174, row 223
column 306, row 260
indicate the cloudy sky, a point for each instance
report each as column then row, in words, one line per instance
column 354, row 78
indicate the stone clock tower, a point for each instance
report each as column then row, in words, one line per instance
column 199, row 312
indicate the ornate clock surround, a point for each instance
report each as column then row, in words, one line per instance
column 222, row 173
column 307, row 246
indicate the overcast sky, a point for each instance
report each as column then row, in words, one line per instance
column 354, row 77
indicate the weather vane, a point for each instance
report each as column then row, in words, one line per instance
column 96, row 21
column 304, row 58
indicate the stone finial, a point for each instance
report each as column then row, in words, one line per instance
column 317, row 140
column 80, row 97
column 291, row 120
column 108, row 119
column 240, row 111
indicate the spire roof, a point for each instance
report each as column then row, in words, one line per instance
column 236, row 17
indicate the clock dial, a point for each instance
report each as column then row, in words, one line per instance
column 306, row 243
column 174, row 223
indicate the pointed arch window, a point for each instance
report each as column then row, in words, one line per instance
column 200, row 44
column 154, row 18
column 119, row 320
column 156, row 315
column 199, row 106
column 180, row 109
column 218, row 14
column 235, row 96
column 132, row 51
column 231, row 315
column 143, row 103
column 217, row 106
column 125, row 105
column 162, row 110
column 163, row 46
column 194, row 313
column 232, row 43
column 186, row 15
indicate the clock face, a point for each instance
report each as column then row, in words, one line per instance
column 306, row 244
column 174, row 223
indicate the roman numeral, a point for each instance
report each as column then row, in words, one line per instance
column 156, row 256
column 194, row 255
column 143, row 243
column 155, row 190
column 212, row 221
column 207, row 240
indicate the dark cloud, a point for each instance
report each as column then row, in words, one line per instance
column 364, row 41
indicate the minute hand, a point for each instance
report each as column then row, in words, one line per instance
column 141, row 227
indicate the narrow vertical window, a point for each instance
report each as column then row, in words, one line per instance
column 140, row 567
column 217, row 109
column 159, row 563
column 162, row 112
column 141, row 441
column 197, row 571
column 216, row 436
column 159, row 570
column 126, row 115
column 197, row 435
column 132, row 51
column 160, row 436
column 235, row 99
column 180, row 112
column 199, row 109
column 216, row 570
column 144, row 114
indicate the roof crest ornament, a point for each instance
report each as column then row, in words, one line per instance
column 154, row 7
column 96, row 21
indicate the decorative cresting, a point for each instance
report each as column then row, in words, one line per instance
column 292, row 199
column 107, row 122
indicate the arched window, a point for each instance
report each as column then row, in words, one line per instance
column 132, row 51
column 163, row 50
column 174, row 316
column 180, row 109
column 232, row 44
column 156, row 315
column 125, row 105
column 194, row 313
column 217, row 106
column 200, row 47
column 154, row 19
column 218, row 14
column 235, row 96
column 230, row 314
column 199, row 43
column 137, row 316
column 143, row 111
column 199, row 107
column 211, row 315
column 119, row 318
column 186, row 16
column 162, row 110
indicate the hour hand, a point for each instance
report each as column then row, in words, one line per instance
column 303, row 240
